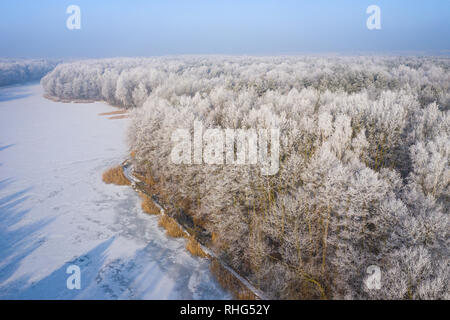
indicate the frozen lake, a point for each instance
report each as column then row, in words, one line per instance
column 55, row 211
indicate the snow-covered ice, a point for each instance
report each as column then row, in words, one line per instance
column 55, row 211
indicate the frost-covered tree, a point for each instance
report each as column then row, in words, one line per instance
column 364, row 163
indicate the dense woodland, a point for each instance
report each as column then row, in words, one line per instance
column 364, row 163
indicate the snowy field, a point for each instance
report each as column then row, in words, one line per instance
column 55, row 210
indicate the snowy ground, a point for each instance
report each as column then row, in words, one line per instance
column 55, row 211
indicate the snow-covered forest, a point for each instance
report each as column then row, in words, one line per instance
column 14, row 71
column 364, row 163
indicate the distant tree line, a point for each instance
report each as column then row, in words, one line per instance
column 14, row 71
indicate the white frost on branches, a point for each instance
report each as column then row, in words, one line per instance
column 364, row 164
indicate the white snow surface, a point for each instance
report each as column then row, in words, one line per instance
column 55, row 211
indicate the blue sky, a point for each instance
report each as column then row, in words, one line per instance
column 30, row 28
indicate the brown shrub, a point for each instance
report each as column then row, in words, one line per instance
column 148, row 206
column 215, row 239
column 172, row 228
column 124, row 116
column 113, row 113
column 144, row 177
column 115, row 175
column 194, row 248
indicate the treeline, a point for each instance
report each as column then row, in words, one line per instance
column 364, row 164
column 14, row 71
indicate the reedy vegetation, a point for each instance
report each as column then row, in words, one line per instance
column 364, row 163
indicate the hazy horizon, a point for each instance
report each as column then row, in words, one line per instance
column 37, row 29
